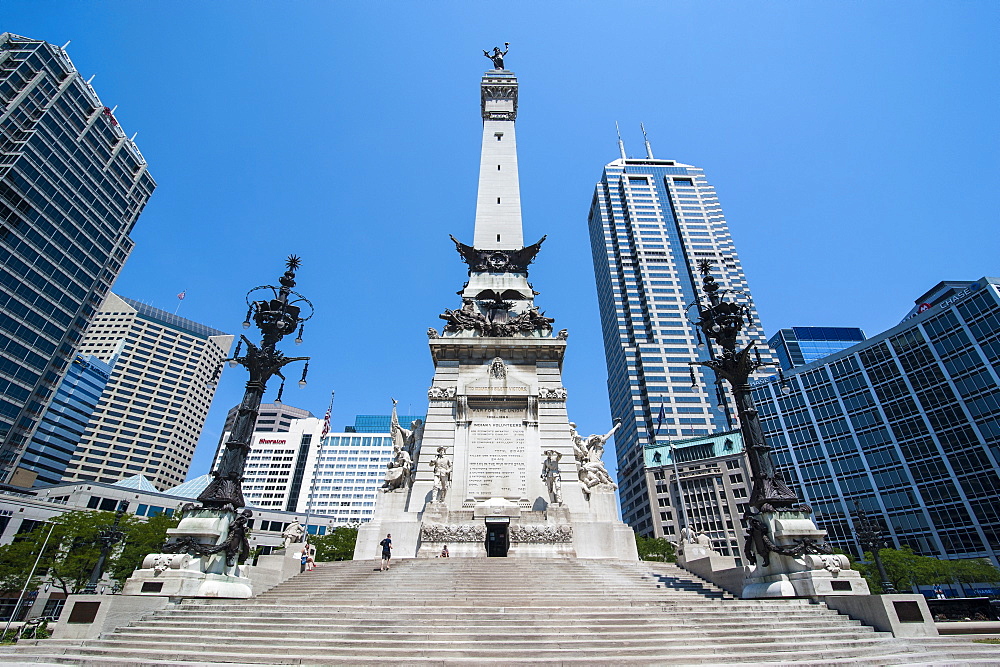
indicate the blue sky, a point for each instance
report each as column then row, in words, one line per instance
column 854, row 147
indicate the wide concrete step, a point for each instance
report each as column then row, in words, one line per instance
column 613, row 651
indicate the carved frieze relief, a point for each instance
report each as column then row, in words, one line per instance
column 441, row 393
column 554, row 394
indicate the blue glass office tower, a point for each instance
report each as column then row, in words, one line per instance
column 651, row 221
column 65, row 421
column 907, row 423
column 72, row 185
column 803, row 345
column 380, row 423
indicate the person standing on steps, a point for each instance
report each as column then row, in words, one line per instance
column 386, row 545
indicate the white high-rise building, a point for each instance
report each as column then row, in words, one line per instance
column 651, row 222
column 153, row 408
column 299, row 470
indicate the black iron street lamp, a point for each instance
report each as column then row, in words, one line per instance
column 108, row 536
column 871, row 538
column 275, row 317
column 721, row 321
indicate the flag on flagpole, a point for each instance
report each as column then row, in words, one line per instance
column 182, row 295
column 326, row 425
column 660, row 418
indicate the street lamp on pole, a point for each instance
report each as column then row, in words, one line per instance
column 871, row 538
column 721, row 318
column 275, row 317
column 108, row 536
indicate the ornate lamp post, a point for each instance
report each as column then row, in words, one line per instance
column 871, row 538
column 275, row 317
column 108, row 536
column 721, row 322
column 201, row 557
column 778, row 522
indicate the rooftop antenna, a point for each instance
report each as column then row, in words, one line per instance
column 63, row 47
column 621, row 144
column 649, row 150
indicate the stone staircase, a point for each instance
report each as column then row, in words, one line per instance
column 498, row 612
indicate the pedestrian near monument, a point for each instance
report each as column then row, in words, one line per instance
column 444, row 551
column 386, row 545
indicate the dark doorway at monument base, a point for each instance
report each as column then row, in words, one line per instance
column 497, row 540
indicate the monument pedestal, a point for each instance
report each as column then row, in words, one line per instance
column 185, row 575
column 798, row 573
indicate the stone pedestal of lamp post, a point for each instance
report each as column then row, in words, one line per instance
column 215, row 573
column 788, row 569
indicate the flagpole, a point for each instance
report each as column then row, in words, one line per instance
column 319, row 456
column 677, row 474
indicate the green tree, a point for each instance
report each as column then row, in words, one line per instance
column 335, row 545
column 973, row 571
column 141, row 539
column 73, row 549
column 655, row 548
column 906, row 569
column 16, row 560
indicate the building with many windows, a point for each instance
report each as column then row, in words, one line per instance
column 65, row 421
column 799, row 346
column 651, row 222
column 712, row 476
column 153, row 409
column 906, row 424
column 299, row 470
column 380, row 423
column 72, row 186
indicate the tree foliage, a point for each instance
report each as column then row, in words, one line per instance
column 335, row 545
column 906, row 569
column 655, row 548
column 73, row 549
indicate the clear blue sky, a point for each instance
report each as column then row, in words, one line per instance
column 854, row 146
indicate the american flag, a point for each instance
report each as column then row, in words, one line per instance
column 326, row 425
column 182, row 295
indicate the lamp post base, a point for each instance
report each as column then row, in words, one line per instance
column 796, row 564
column 200, row 565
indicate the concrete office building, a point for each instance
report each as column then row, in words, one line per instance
column 72, row 186
column 150, row 416
column 799, row 346
column 65, row 421
column 271, row 418
column 651, row 221
column 713, row 477
column 906, row 423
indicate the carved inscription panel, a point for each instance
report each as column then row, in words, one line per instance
column 497, row 465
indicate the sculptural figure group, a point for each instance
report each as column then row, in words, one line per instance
column 588, row 452
column 405, row 444
column 469, row 318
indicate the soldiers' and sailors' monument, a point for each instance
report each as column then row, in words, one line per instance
column 498, row 469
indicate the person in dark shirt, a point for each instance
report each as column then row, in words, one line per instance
column 386, row 545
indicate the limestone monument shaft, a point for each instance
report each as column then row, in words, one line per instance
column 785, row 549
column 497, row 469
column 202, row 554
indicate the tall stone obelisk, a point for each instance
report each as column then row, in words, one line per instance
column 497, row 470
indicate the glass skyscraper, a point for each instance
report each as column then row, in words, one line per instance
column 72, row 186
column 65, row 420
column 799, row 346
column 906, row 423
column 651, row 221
